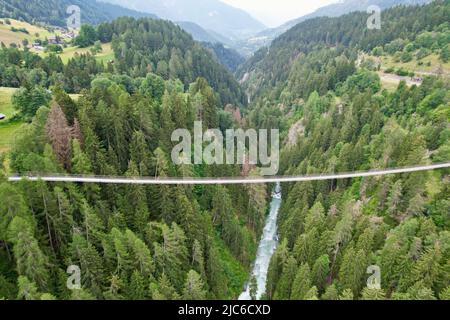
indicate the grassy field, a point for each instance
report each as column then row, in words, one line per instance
column 7, row 36
column 7, row 135
column 432, row 60
column 430, row 64
column 389, row 84
column 104, row 56
column 5, row 101
column 7, row 130
column 75, row 96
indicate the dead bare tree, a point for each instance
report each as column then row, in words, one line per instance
column 59, row 133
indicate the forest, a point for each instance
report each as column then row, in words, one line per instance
column 337, row 117
column 53, row 12
column 155, row 242
column 163, row 242
column 163, row 49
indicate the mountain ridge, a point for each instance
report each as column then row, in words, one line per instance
column 93, row 12
column 333, row 10
column 214, row 15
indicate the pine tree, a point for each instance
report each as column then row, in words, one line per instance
column 320, row 271
column 63, row 219
column 198, row 261
column 347, row 294
column 171, row 255
column 163, row 290
column 312, row 294
column 141, row 256
column 67, row 105
column 136, row 202
column 275, row 268
column 47, row 297
column 137, row 287
column 80, row 161
column 420, row 292
column 83, row 254
column 302, row 283
column 12, row 205
column 217, row 280
column 194, row 287
column 140, row 154
column 253, row 288
column 352, row 270
column 115, row 290
column 93, row 225
column 373, row 294
column 8, row 290
column 208, row 104
column 331, row 293
column 427, row 268
column 31, row 262
column 394, row 198
column 27, row 290
column 81, row 294
column 416, row 206
column 445, row 294
column 285, row 284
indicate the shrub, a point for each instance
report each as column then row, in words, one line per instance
column 422, row 53
column 406, row 57
column 402, row 72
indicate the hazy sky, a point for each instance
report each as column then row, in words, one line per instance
column 275, row 12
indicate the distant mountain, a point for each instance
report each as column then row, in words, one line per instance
column 333, row 10
column 273, row 66
column 228, row 57
column 209, row 14
column 197, row 32
column 218, row 45
column 54, row 11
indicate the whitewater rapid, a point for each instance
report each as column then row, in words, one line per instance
column 266, row 248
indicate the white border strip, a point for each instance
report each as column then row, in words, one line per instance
column 210, row 181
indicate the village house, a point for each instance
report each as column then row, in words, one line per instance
column 37, row 46
column 54, row 40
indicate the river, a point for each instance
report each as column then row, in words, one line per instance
column 266, row 248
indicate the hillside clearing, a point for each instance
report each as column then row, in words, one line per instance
column 7, row 36
column 7, row 130
column 106, row 55
column 6, row 106
column 7, row 135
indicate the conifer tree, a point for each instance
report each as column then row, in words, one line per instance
column 302, row 283
column 27, row 290
column 285, row 285
column 137, row 287
column 253, row 288
column 347, row 294
column 373, row 294
column 31, row 262
column 320, row 271
column 84, row 255
column 331, row 293
column 194, row 287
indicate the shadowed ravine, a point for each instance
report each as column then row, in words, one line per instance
column 266, row 248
